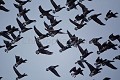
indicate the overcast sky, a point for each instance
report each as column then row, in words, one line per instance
column 37, row 64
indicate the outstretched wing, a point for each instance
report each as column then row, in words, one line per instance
column 55, row 72
column 41, row 9
column 17, row 58
column 84, row 9
column 110, row 65
column 60, row 44
column 54, row 4
column 4, row 9
column 81, row 63
column 37, row 31
column 73, row 69
column 76, row 24
column 20, row 24
column 39, row 44
column 81, row 50
column 46, row 25
column 91, row 68
column 46, row 52
column 98, row 21
column 16, row 71
column 25, row 17
column 69, row 34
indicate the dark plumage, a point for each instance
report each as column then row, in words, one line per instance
column 113, row 37
column 8, row 46
column 41, row 48
column 78, row 26
column 16, row 38
column 117, row 57
column 21, row 10
column 84, row 53
column 19, row 61
column 23, row 28
column 5, row 34
column 40, row 35
column 110, row 14
column 95, row 18
column 106, row 78
column 44, row 12
column 27, row 20
column 22, row 2
column 63, row 48
column 52, row 69
column 76, row 71
column 19, row 75
column 93, row 70
column 80, row 62
column 56, row 7
column 4, row 8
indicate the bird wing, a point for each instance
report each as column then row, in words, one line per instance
column 54, row 4
column 81, row 50
column 3, row 8
column 41, row 9
column 7, row 43
column 60, row 44
column 6, row 36
column 20, row 24
column 25, row 17
column 46, row 25
column 81, row 64
column 17, row 58
column 76, row 24
column 69, row 34
column 16, row 71
column 13, row 35
column 91, row 68
column 55, row 72
column 84, row 9
column 73, row 69
column 46, row 52
column 39, row 44
column 98, row 21
column 37, row 31
column 110, row 65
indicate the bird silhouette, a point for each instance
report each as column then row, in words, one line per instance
column 52, row 69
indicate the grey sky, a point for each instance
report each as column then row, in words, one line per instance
column 37, row 64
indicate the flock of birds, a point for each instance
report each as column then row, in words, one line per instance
column 74, row 41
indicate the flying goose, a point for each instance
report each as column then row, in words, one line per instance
column 52, row 69
column 41, row 48
column 27, row 20
column 23, row 28
column 113, row 37
column 76, row 71
column 95, row 18
column 106, row 78
column 78, row 26
column 43, row 12
column 19, row 75
column 40, row 35
column 110, row 14
column 19, row 61
column 84, row 53
column 16, row 38
column 11, row 29
column 93, row 70
column 21, row 10
column 8, row 45
column 63, row 48
column 57, row 7
column 5, row 34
